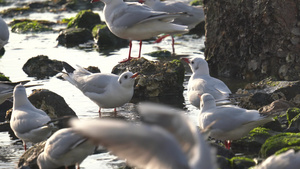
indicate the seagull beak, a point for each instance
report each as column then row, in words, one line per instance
column 141, row 1
column 92, row 1
column 185, row 59
column 134, row 75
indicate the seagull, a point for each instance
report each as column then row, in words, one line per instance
column 106, row 90
column 64, row 148
column 152, row 143
column 194, row 17
column 286, row 160
column 7, row 88
column 231, row 122
column 27, row 122
column 4, row 33
column 134, row 21
column 201, row 82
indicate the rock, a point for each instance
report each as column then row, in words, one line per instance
column 3, row 108
column 30, row 26
column 93, row 69
column 2, row 52
column 240, row 33
column 293, row 115
column 106, row 39
column 222, row 151
column 85, row 19
column 74, row 37
column 198, row 29
column 296, row 148
column 277, row 142
column 223, row 162
column 76, row 4
column 3, row 77
column 157, row 78
column 196, row 2
column 42, row 67
column 29, row 158
column 160, row 53
column 241, row 163
column 253, row 141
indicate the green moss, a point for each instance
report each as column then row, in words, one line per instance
column 3, row 78
column 292, row 113
column 29, row 26
column 196, row 2
column 84, row 19
column 296, row 148
column 96, row 28
column 160, row 53
column 278, row 142
column 67, row 20
column 241, row 162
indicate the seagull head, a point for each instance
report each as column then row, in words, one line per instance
column 198, row 65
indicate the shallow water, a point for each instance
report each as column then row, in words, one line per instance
column 21, row 47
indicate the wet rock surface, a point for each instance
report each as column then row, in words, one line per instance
column 85, row 19
column 240, row 38
column 74, row 37
column 42, row 67
column 157, row 78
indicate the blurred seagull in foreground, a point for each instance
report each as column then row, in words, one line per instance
column 201, row 82
column 286, row 160
column 166, row 139
column 231, row 122
column 65, row 148
column 194, row 17
column 106, row 90
column 27, row 122
column 134, row 21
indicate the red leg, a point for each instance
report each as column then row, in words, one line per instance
column 140, row 48
column 227, row 144
column 173, row 48
column 115, row 111
column 99, row 112
column 161, row 38
column 129, row 55
column 25, row 147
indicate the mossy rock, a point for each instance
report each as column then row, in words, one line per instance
column 296, row 148
column 292, row 113
column 241, row 163
column 160, row 53
column 253, row 141
column 85, row 19
column 3, row 77
column 196, row 2
column 277, row 142
column 12, row 12
column 106, row 39
column 223, row 162
column 74, row 37
column 30, row 26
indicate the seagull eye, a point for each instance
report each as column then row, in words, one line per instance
column 192, row 62
column 125, row 76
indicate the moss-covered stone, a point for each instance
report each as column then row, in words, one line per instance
column 292, row 113
column 223, row 162
column 277, row 142
column 74, row 37
column 85, row 19
column 253, row 141
column 296, row 148
column 241, row 162
column 196, row 2
column 160, row 53
column 3, row 77
column 30, row 26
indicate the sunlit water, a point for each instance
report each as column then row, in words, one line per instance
column 21, row 47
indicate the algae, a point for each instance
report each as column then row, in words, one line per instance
column 241, row 162
column 3, row 77
column 196, row 2
column 292, row 113
column 296, row 148
column 29, row 26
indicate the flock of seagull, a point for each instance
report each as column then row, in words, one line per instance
column 165, row 138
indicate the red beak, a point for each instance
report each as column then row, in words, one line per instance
column 141, row 1
column 134, row 75
column 92, row 1
column 186, row 60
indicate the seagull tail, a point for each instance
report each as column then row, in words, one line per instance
column 68, row 67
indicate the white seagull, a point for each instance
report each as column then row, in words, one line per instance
column 286, row 160
column 194, row 17
column 7, row 88
column 153, row 144
column 27, row 122
column 65, row 148
column 106, row 90
column 201, row 82
column 4, row 33
column 134, row 21
column 230, row 122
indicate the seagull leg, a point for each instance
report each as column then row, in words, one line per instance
column 77, row 166
column 140, row 49
column 115, row 111
column 99, row 112
column 173, row 48
column 24, row 144
column 161, row 38
column 227, row 144
column 129, row 55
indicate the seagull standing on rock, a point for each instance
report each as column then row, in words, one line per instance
column 201, row 82
column 230, row 122
column 106, row 90
column 27, row 122
column 134, row 21
column 194, row 17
